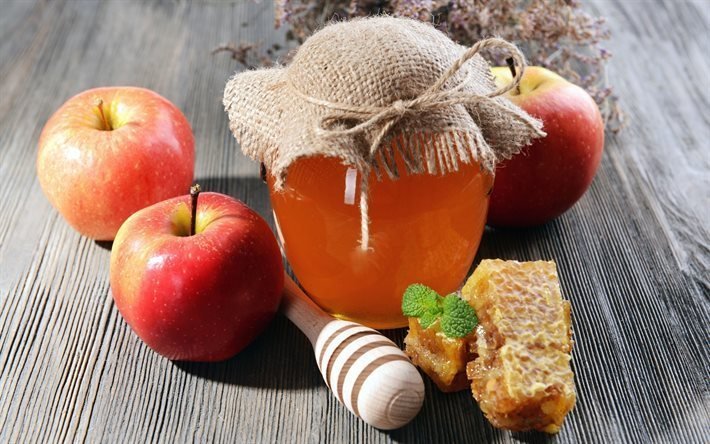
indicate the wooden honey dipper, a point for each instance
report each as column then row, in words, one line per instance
column 366, row 372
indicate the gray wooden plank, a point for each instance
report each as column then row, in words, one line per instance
column 633, row 254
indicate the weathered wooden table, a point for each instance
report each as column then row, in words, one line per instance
column 632, row 254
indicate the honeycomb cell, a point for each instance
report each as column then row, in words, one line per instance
column 521, row 374
column 442, row 358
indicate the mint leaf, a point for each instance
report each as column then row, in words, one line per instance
column 458, row 318
column 419, row 299
column 427, row 319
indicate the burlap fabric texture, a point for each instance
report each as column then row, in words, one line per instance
column 360, row 90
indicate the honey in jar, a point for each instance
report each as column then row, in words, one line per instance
column 423, row 228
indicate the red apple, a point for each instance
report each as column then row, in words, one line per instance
column 551, row 174
column 201, row 297
column 108, row 152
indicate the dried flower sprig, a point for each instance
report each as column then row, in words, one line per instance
column 249, row 54
column 556, row 34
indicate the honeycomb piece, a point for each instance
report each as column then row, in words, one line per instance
column 521, row 376
column 442, row 358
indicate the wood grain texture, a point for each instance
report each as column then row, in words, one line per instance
column 633, row 254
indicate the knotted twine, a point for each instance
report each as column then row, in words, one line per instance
column 363, row 89
column 434, row 98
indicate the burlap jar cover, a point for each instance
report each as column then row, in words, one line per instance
column 361, row 89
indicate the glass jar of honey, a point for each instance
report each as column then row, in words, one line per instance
column 423, row 229
column 371, row 95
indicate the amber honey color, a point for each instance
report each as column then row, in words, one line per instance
column 423, row 228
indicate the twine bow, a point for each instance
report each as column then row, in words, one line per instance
column 385, row 117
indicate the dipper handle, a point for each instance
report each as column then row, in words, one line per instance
column 366, row 372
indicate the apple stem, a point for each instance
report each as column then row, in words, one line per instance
column 194, row 192
column 511, row 66
column 100, row 105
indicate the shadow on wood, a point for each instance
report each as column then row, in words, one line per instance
column 447, row 417
column 105, row 245
column 520, row 244
column 280, row 358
